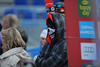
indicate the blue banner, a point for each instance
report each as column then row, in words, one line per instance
column 87, row 29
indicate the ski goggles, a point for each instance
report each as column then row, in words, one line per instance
column 58, row 6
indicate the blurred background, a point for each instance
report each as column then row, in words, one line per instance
column 31, row 14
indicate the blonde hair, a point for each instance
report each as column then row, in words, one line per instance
column 12, row 38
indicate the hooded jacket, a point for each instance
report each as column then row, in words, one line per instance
column 12, row 57
column 55, row 55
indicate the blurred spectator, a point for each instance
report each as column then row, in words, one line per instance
column 11, row 20
column 0, row 40
column 13, row 52
column 55, row 52
column 43, row 37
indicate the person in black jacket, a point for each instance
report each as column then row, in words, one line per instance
column 11, row 20
column 54, row 52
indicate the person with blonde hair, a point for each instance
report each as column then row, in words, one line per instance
column 13, row 53
column 11, row 20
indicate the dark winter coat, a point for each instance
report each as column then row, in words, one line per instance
column 56, row 54
column 24, row 35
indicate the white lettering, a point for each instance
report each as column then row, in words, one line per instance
column 87, row 32
column 86, row 27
